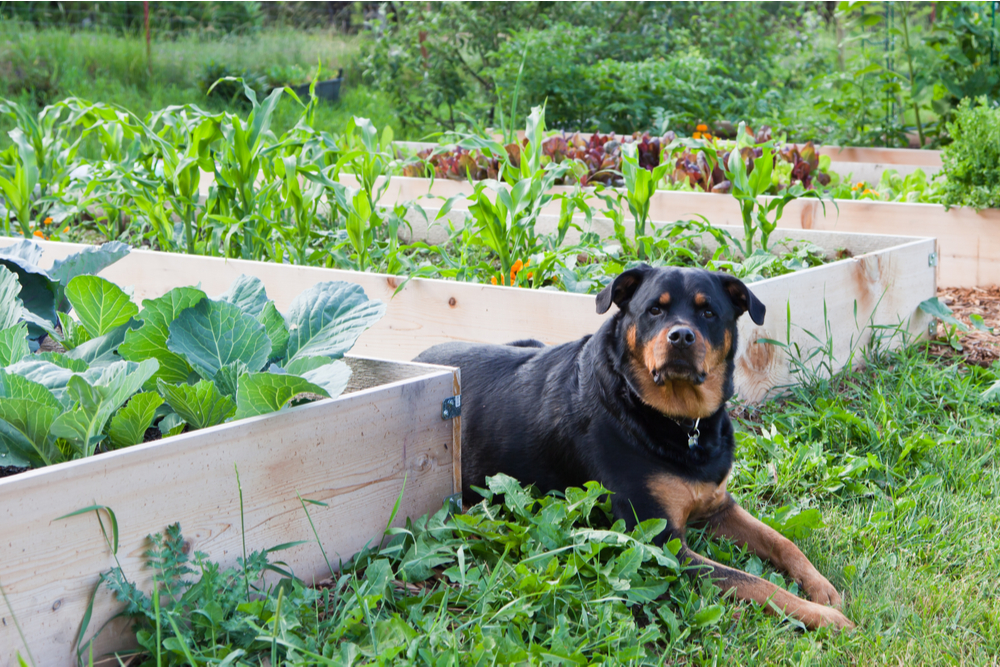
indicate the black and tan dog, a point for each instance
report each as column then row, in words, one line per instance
column 640, row 406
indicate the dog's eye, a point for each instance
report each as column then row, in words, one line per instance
column 709, row 314
column 655, row 310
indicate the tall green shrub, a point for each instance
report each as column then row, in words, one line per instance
column 971, row 163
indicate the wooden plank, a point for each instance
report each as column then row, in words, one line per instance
column 351, row 453
column 427, row 312
column 886, row 156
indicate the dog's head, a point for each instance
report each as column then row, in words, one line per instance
column 677, row 331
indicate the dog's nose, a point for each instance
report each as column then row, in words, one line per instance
column 681, row 337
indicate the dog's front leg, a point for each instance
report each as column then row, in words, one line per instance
column 737, row 524
column 748, row 587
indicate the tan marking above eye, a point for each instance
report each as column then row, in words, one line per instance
column 665, row 298
column 700, row 299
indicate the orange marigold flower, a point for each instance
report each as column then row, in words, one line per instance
column 39, row 234
column 47, row 221
column 518, row 265
column 868, row 191
column 493, row 280
column 66, row 231
column 526, row 262
column 531, row 274
column 696, row 135
column 702, row 127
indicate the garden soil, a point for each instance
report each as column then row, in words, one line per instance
column 978, row 347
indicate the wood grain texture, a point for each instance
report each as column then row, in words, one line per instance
column 887, row 278
column 886, row 156
column 351, row 453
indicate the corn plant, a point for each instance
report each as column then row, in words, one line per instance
column 750, row 185
column 640, row 186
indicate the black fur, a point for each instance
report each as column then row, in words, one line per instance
column 563, row 415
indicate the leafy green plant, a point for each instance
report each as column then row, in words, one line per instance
column 519, row 577
column 184, row 360
column 971, row 163
column 749, row 185
column 42, row 294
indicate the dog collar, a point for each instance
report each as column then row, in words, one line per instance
column 691, row 425
column 692, row 430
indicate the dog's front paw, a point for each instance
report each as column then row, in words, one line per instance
column 821, row 591
column 828, row 617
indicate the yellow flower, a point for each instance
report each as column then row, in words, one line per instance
column 493, row 280
column 39, row 234
column 66, row 231
column 867, row 191
column 702, row 128
column 47, row 221
column 696, row 135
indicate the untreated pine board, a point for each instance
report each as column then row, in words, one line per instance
column 886, row 156
column 351, row 453
column 427, row 312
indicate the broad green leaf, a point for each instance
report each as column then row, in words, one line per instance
column 215, row 333
column 326, row 319
column 150, row 340
column 227, row 379
column 303, row 365
column 73, row 333
column 10, row 304
column 13, row 344
column 263, row 393
column 936, row 308
column 96, row 400
column 12, row 443
column 38, row 291
column 88, row 261
column 709, row 615
column 100, row 304
column 103, row 350
column 332, row 377
column 128, row 426
column 24, row 431
column 49, row 376
column 247, row 293
column 171, row 424
column 13, row 385
column 200, row 405
column 24, row 250
column 276, row 329
column 75, row 365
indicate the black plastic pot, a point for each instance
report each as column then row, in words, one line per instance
column 328, row 90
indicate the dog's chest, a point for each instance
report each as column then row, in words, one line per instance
column 682, row 500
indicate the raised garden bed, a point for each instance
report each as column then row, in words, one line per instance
column 969, row 242
column 883, row 281
column 352, row 453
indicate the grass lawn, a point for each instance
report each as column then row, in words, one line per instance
column 38, row 67
column 886, row 477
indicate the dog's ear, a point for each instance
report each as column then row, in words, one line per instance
column 622, row 289
column 742, row 298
